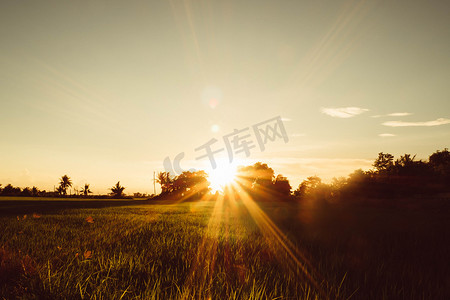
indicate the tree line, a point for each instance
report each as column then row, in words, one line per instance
column 195, row 184
column 389, row 178
column 404, row 177
column 65, row 182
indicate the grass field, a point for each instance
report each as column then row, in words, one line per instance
column 221, row 249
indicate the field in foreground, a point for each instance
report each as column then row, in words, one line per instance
column 221, row 249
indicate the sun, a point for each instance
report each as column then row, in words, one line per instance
column 223, row 175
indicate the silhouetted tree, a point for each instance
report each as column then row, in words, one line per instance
column 281, row 186
column 384, row 162
column 60, row 190
column 86, row 191
column 405, row 160
column 337, row 186
column 166, row 182
column 440, row 162
column 338, row 183
column 35, row 191
column 307, row 186
column 117, row 190
column 256, row 176
column 65, row 182
column 192, row 183
column 406, row 165
column 314, row 189
column 10, row 190
column 26, row 192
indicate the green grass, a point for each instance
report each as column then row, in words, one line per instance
column 220, row 250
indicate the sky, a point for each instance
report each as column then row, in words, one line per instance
column 105, row 90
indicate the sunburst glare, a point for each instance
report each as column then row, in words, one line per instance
column 223, row 175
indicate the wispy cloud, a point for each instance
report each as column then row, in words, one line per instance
column 437, row 122
column 386, row 134
column 343, row 112
column 399, row 114
column 396, row 114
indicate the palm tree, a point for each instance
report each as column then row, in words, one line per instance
column 117, row 190
column 86, row 190
column 64, row 183
column 60, row 190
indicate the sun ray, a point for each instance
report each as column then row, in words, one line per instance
column 221, row 177
column 202, row 270
column 276, row 239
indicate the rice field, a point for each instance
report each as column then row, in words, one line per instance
column 224, row 248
